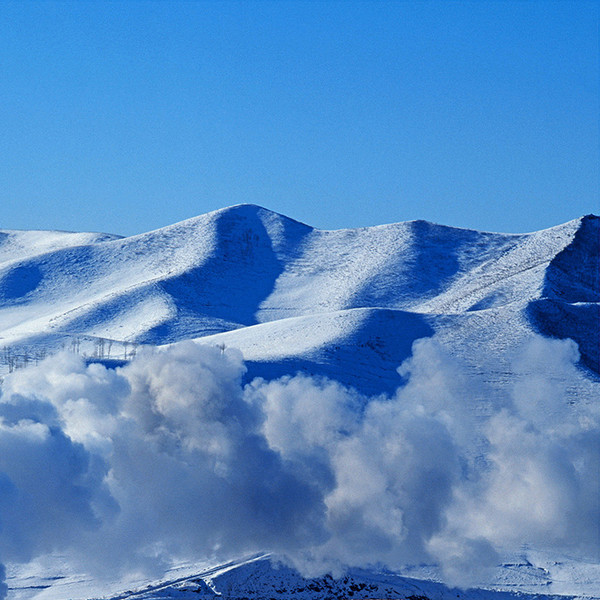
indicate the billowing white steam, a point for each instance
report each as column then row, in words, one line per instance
column 171, row 457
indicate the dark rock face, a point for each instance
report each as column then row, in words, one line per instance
column 570, row 302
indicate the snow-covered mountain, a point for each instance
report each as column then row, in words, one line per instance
column 347, row 305
column 294, row 297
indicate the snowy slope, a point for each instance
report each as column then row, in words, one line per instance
column 246, row 266
column 264, row 577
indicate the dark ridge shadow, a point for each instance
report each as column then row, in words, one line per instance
column 436, row 257
column 18, row 282
column 366, row 361
column 109, row 363
column 426, row 268
column 574, row 273
column 71, row 268
column 570, row 303
column 233, row 283
column 580, row 322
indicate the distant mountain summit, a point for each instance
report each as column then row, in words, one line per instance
column 294, row 297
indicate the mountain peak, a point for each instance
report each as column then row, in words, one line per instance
column 249, row 210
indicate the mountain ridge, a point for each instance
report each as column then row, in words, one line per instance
column 244, row 265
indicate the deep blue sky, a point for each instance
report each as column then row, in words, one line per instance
column 127, row 116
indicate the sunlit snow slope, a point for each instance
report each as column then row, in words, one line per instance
column 294, row 297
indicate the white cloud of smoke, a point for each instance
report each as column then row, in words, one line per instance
column 170, row 456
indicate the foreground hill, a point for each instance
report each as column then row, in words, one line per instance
column 261, row 577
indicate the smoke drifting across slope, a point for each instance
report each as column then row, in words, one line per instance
column 170, row 457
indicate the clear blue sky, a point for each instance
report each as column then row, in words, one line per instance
column 127, row 116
